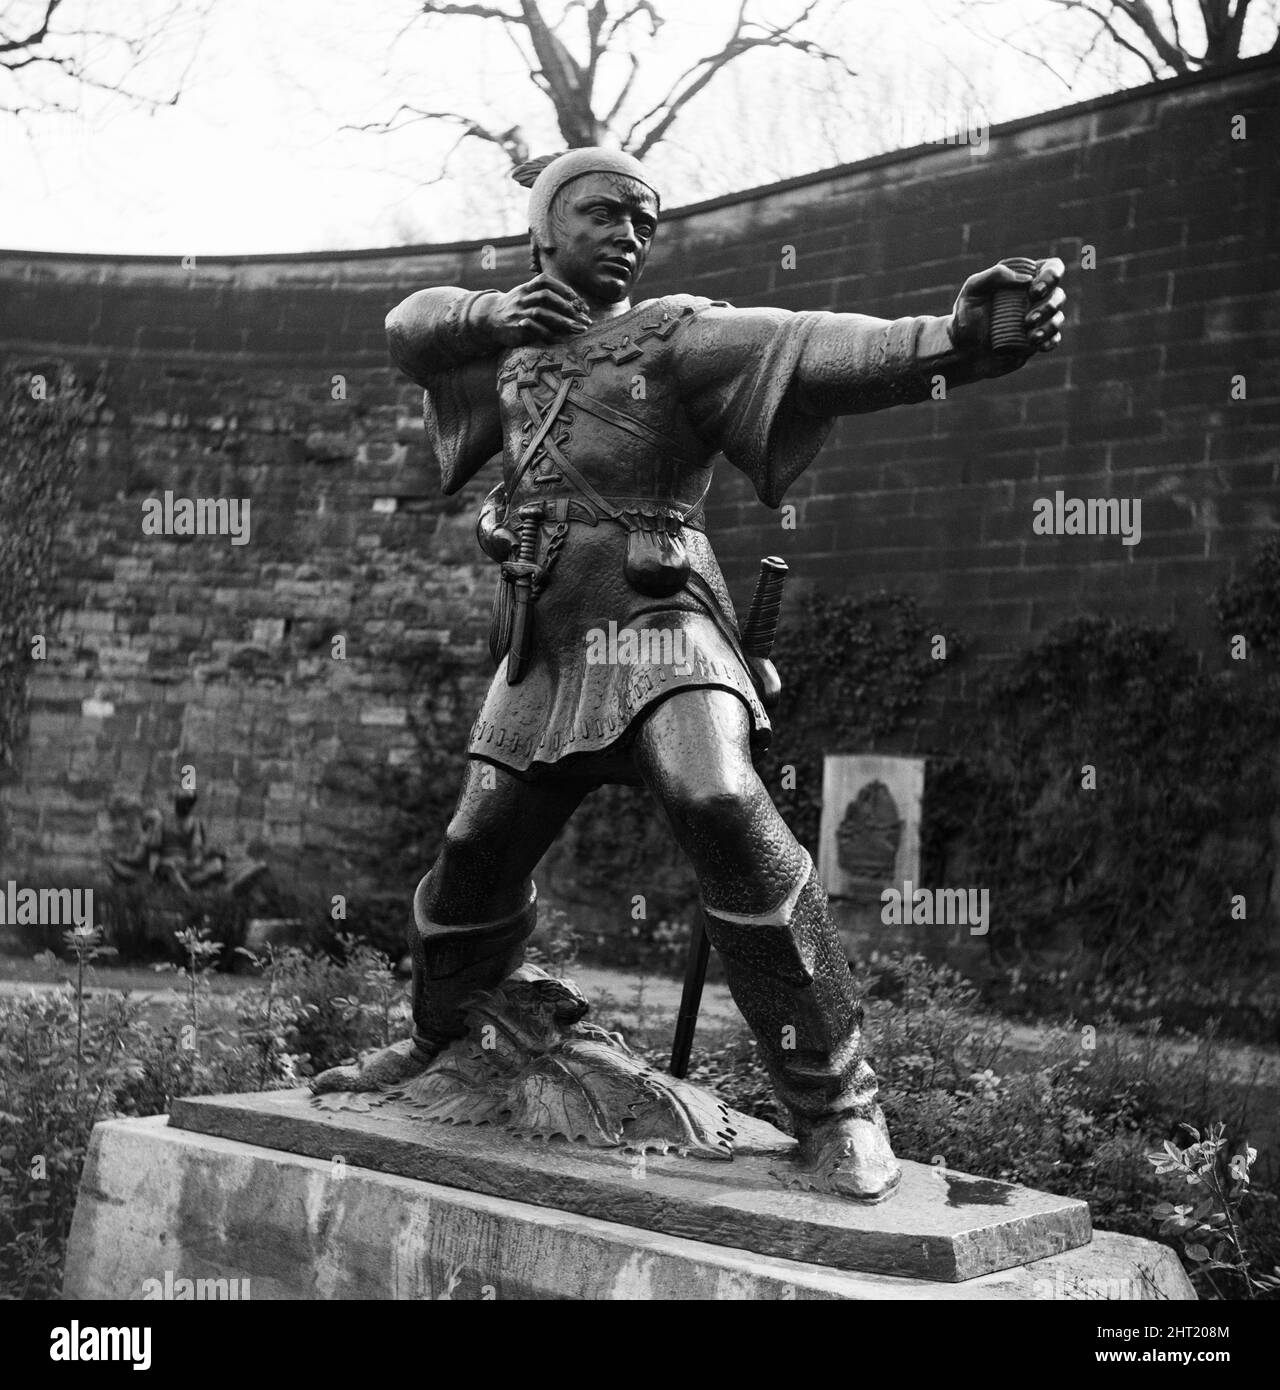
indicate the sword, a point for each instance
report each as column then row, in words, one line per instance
column 520, row 573
column 761, row 627
column 758, row 634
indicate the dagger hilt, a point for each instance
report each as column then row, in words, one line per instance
column 530, row 520
column 761, row 626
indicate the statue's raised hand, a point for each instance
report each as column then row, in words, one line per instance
column 971, row 318
column 538, row 311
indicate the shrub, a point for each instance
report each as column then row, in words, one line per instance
column 1128, row 885
column 73, row 1059
column 340, row 1007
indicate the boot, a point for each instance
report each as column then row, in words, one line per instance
column 789, row 977
column 450, row 964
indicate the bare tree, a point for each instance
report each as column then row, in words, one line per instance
column 50, row 50
column 1177, row 37
column 570, row 80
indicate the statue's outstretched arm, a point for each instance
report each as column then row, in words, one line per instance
column 851, row 363
column 764, row 385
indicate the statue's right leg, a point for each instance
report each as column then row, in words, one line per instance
column 472, row 912
column 477, row 906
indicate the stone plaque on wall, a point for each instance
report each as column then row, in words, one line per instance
column 870, row 832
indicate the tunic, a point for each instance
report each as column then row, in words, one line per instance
column 639, row 406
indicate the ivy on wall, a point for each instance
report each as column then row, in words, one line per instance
column 1114, row 797
column 856, row 671
column 44, row 412
column 1249, row 606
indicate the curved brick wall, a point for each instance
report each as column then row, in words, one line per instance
column 221, row 382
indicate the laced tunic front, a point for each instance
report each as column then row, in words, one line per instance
column 638, row 406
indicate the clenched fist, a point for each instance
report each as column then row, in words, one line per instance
column 971, row 318
column 538, row 311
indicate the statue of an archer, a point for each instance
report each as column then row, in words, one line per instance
column 608, row 416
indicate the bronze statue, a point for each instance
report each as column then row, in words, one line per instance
column 608, row 416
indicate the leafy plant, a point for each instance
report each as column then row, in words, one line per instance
column 265, row 1018
column 375, row 1005
column 1211, row 1227
column 341, row 1006
column 555, row 944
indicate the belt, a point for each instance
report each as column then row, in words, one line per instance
column 563, row 507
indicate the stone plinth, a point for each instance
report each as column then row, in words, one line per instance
column 161, row 1205
column 940, row 1226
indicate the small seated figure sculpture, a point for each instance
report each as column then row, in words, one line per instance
column 179, row 853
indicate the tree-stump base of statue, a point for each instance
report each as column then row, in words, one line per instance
column 530, row 1065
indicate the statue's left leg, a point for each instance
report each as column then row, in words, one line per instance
column 767, row 915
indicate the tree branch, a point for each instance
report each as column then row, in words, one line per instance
column 687, row 85
column 567, row 83
column 567, row 77
column 1089, row 52
column 672, row 102
column 1173, row 19
column 625, row 90
column 596, row 17
column 17, row 64
column 511, row 142
column 643, row 7
column 1116, row 37
column 1139, row 13
column 43, row 45
column 471, row 11
column 37, row 35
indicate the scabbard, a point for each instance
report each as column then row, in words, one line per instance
column 521, row 631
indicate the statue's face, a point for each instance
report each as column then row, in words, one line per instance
column 603, row 226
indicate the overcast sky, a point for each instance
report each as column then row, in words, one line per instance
column 254, row 156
